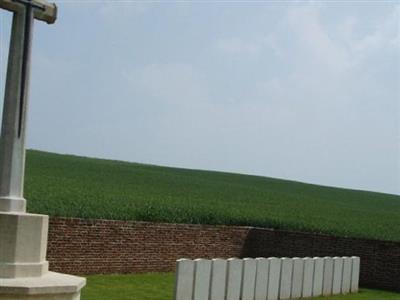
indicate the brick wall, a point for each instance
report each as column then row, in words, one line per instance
column 380, row 260
column 78, row 246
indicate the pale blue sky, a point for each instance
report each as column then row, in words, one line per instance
column 308, row 91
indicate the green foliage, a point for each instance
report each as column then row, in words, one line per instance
column 72, row 186
column 160, row 286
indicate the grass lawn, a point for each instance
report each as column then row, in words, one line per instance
column 159, row 286
column 71, row 186
column 152, row 286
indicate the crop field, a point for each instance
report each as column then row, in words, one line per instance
column 160, row 286
column 72, row 186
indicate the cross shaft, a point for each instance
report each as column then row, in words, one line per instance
column 16, row 96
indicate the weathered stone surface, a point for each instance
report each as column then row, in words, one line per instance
column 23, row 241
column 23, row 267
column 297, row 278
column 51, row 286
column 265, row 279
column 75, row 296
column 202, row 277
column 274, row 278
column 261, row 290
column 308, row 277
column 286, row 278
column 337, row 275
column 12, row 146
column 48, row 14
column 328, row 276
column 23, row 237
column 318, row 276
column 249, row 278
column 184, row 279
column 218, row 279
column 234, row 279
column 355, row 274
column 346, row 278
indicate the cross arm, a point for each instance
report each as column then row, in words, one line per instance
column 47, row 13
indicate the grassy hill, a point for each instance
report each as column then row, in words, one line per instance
column 64, row 185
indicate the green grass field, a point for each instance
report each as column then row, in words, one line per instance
column 71, row 186
column 159, row 286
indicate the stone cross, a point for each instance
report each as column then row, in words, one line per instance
column 12, row 141
column 24, row 270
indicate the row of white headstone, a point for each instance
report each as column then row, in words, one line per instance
column 265, row 278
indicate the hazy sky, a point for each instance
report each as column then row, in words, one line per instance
column 308, row 91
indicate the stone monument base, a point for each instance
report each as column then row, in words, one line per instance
column 51, row 286
column 23, row 245
column 24, row 271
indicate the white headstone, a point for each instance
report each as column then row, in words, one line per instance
column 297, row 278
column 234, row 280
column 318, row 276
column 184, row 279
column 328, row 276
column 308, row 277
column 337, row 275
column 261, row 290
column 355, row 274
column 218, row 279
column 286, row 278
column 346, row 278
column 202, row 276
column 249, row 278
column 274, row 278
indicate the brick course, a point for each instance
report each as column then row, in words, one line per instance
column 79, row 246
column 380, row 260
